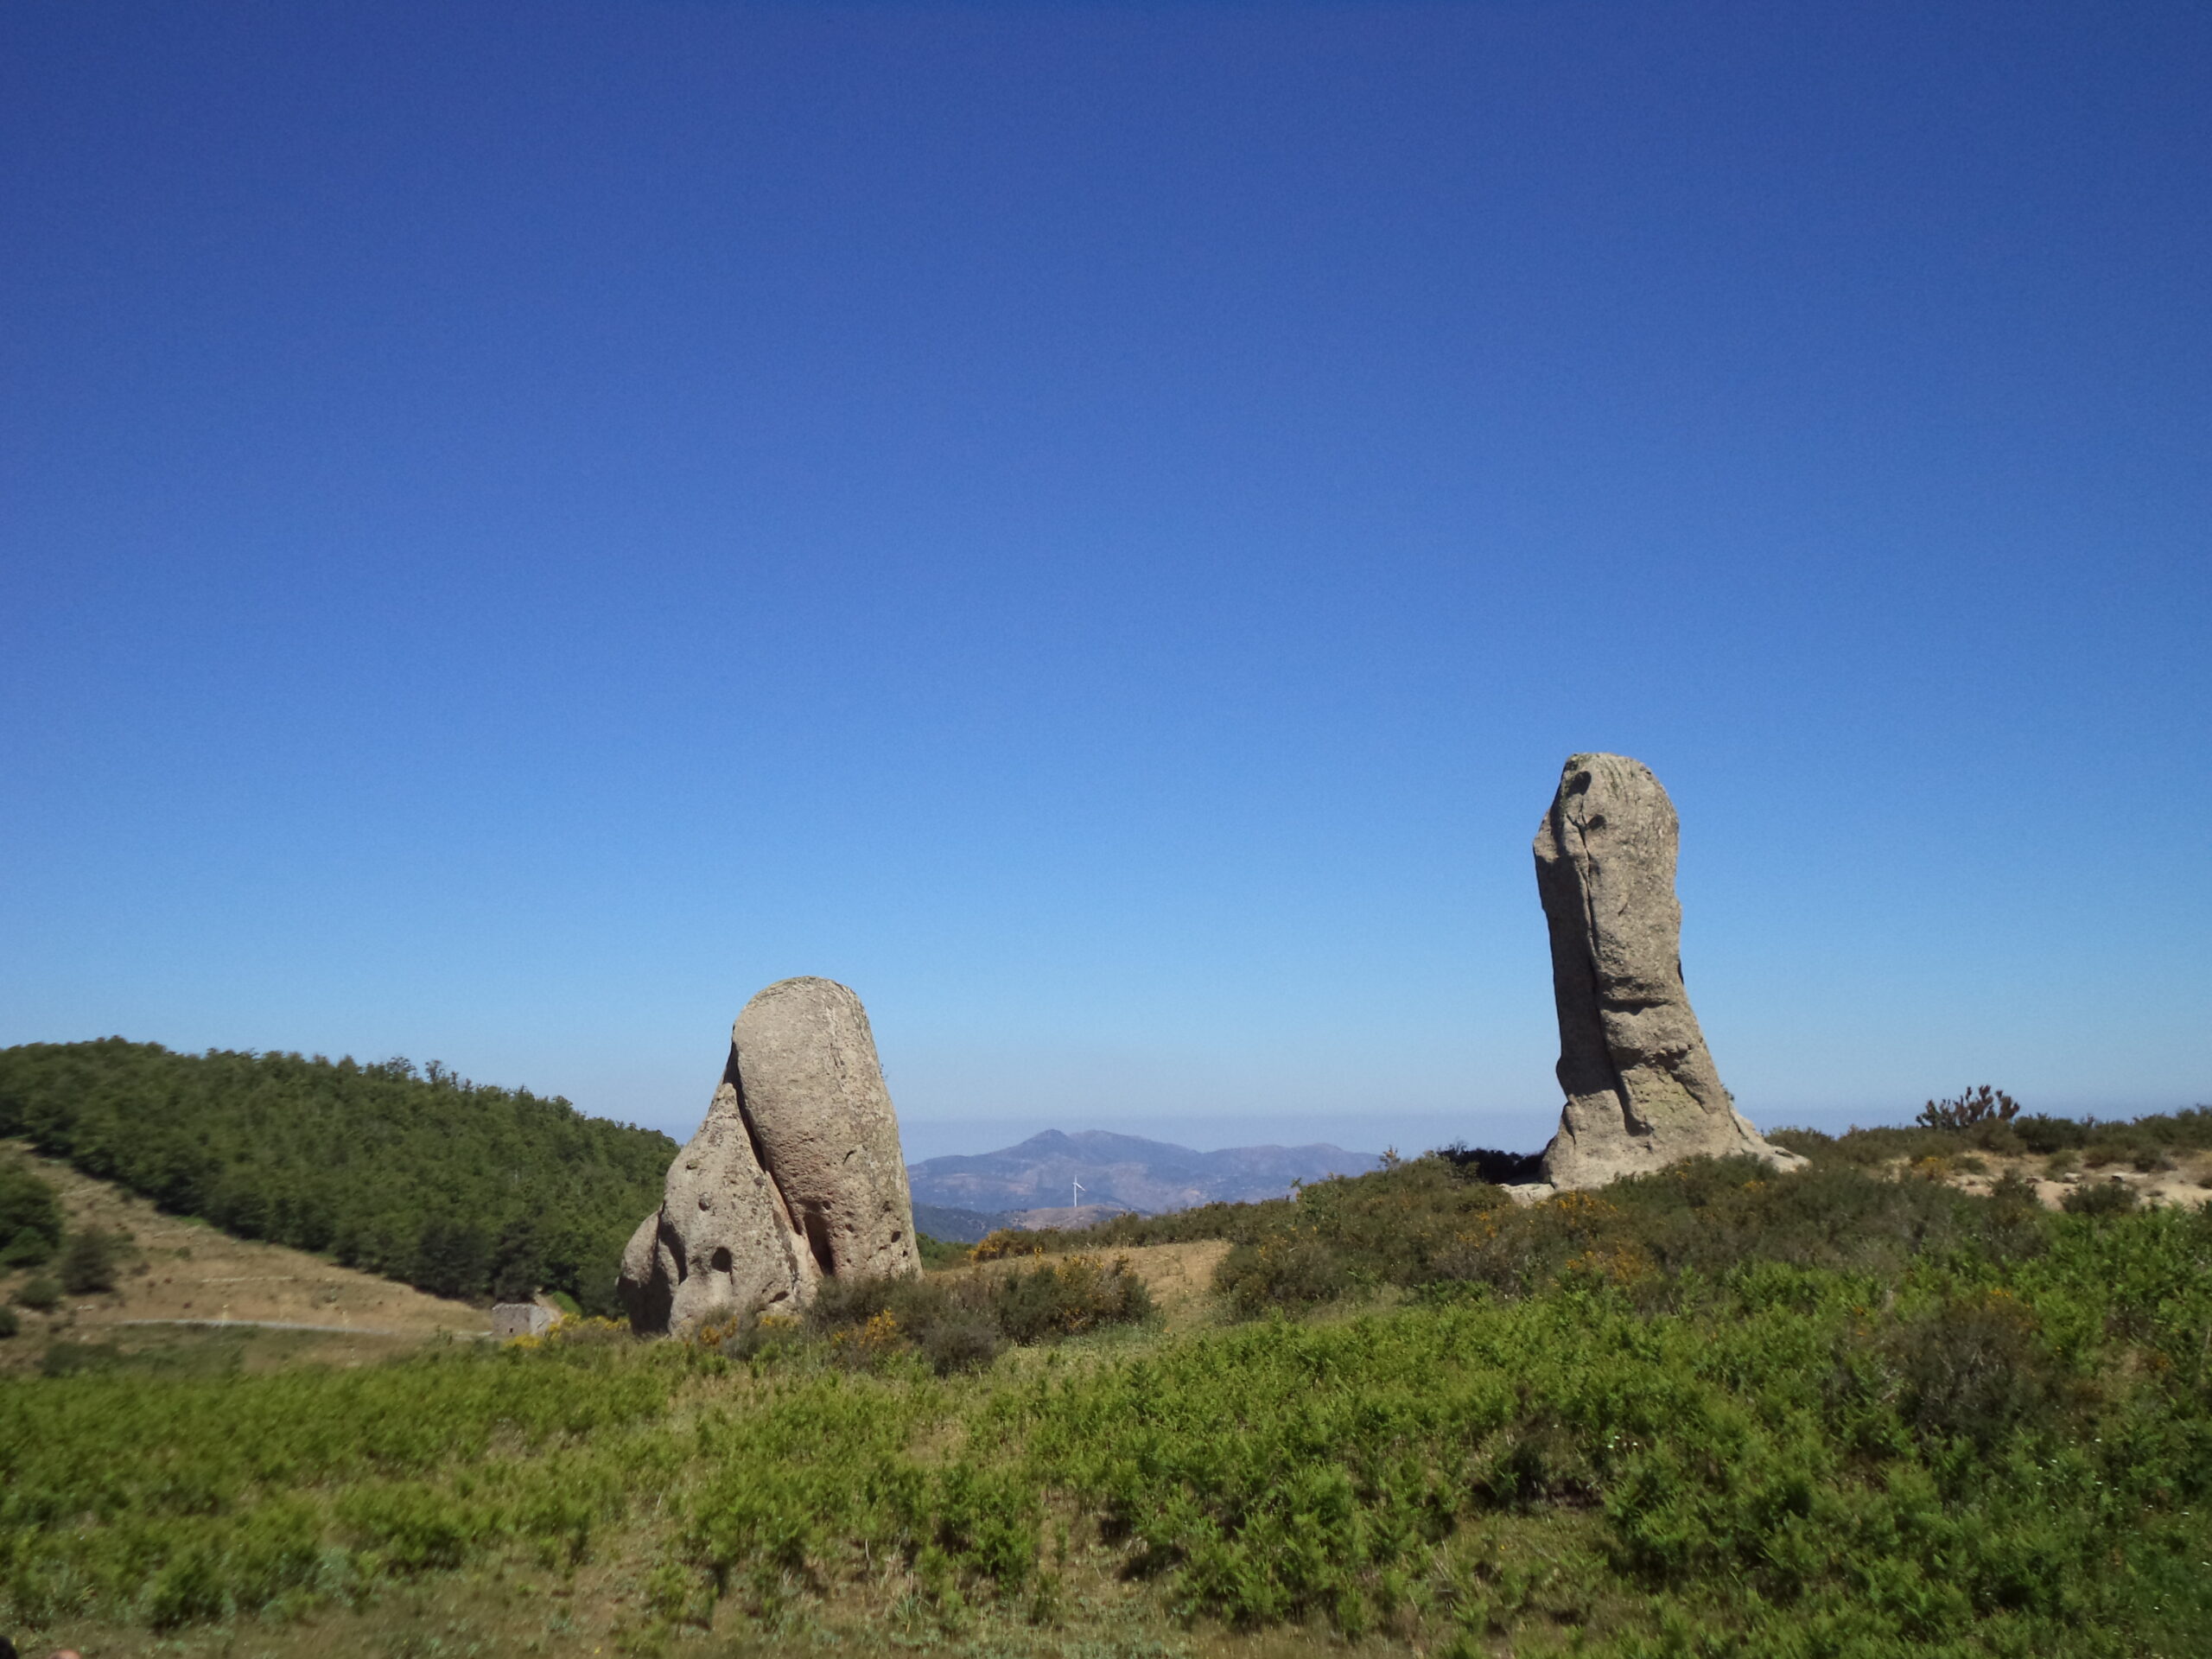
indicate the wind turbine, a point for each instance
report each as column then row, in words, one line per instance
column 1074, row 1199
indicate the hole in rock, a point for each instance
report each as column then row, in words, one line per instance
column 720, row 1261
column 817, row 1240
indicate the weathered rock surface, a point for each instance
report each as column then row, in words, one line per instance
column 814, row 1093
column 795, row 1175
column 1641, row 1090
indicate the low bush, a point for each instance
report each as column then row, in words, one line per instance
column 2044, row 1136
column 1432, row 1221
column 1968, row 1121
column 1423, row 1224
column 2099, row 1198
column 8, row 1323
column 1974, row 1368
column 1284, row 1271
column 1719, row 1411
column 88, row 1262
column 30, row 1217
column 964, row 1340
column 961, row 1324
column 1488, row 1164
column 1001, row 1242
column 1068, row 1298
column 40, row 1296
column 941, row 1253
column 1968, row 1108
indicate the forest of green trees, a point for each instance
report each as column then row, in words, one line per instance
column 460, row 1188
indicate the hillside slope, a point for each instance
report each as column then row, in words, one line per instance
column 177, row 1273
column 461, row 1189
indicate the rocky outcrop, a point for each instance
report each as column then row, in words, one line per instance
column 1641, row 1090
column 796, row 1174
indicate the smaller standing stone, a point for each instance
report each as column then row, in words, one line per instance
column 722, row 1241
column 794, row 1176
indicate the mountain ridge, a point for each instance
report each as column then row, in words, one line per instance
column 1127, row 1170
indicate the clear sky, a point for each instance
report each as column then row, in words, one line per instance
column 1097, row 526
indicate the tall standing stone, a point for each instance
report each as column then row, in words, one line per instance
column 1641, row 1090
column 794, row 1176
column 815, row 1095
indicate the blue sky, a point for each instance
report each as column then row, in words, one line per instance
column 1097, row 526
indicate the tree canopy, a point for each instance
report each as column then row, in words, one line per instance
column 460, row 1188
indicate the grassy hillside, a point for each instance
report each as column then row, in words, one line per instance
column 1716, row 1411
column 128, row 1273
column 457, row 1188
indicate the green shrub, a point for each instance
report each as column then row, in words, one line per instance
column 843, row 1303
column 1973, row 1369
column 1069, row 1297
column 964, row 1340
column 1968, row 1108
column 1868, row 1149
column 1914, row 1434
column 956, row 1323
column 416, row 1526
column 941, row 1253
column 867, row 1321
column 30, row 1217
column 2044, row 1136
column 1002, row 1241
column 8, row 1323
column 88, row 1262
column 2099, row 1198
column 40, row 1296
column 2191, row 1129
column 27, row 1248
column 1712, row 1217
column 2014, row 1190
column 1284, row 1271
column 1488, row 1164
column 1967, row 1119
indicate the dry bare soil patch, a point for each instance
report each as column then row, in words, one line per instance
column 178, row 1273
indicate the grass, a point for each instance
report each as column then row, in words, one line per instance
column 1713, row 1411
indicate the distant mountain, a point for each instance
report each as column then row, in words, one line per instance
column 1120, row 1171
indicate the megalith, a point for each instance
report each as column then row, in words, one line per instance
column 1641, row 1090
column 794, row 1176
column 815, row 1094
